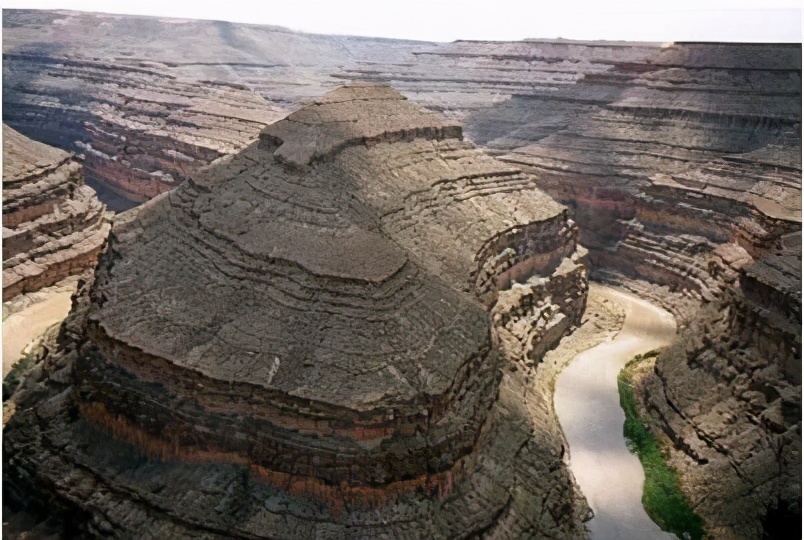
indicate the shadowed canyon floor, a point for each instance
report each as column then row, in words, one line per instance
column 588, row 408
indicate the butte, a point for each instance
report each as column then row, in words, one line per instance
column 332, row 333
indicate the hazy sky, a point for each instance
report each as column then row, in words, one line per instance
column 447, row 20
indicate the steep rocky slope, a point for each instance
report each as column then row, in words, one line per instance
column 689, row 149
column 729, row 395
column 282, row 347
column 53, row 225
column 682, row 164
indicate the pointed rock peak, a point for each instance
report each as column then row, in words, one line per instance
column 351, row 115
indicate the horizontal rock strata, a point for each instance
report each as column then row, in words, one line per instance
column 283, row 334
column 679, row 162
column 729, row 395
column 682, row 165
column 149, row 101
column 53, row 224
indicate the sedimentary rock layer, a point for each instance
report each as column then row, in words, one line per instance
column 729, row 395
column 680, row 162
column 148, row 101
column 306, row 327
column 53, row 225
column 682, row 165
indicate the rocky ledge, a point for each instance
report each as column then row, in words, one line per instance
column 53, row 224
column 316, row 341
column 148, row 101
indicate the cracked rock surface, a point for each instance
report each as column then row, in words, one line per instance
column 296, row 348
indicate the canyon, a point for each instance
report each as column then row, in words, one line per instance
column 54, row 227
column 670, row 170
column 287, row 327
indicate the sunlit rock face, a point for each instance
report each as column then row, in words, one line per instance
column 53, row 225
column 301, row 334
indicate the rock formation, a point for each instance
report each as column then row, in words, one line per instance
column 296, row 342
column 53, row 225
column 701, row 195
column 729, row 396
column 680, row 163
column 148, row 101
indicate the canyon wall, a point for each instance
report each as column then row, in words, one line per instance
column 148, row 101
column 53, row 224
column 680, row 163
column 282, row 347
column 728, row 395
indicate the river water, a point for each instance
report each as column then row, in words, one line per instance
column 588, row 408
column 24, row 327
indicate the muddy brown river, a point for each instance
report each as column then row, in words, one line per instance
column 24, row 327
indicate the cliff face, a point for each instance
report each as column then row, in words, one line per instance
column 679, row 161
column 691, row 170
column 729, row 395
column 682, row 165
column 286, row 334
column 53, row 225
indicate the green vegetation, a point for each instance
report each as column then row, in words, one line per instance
column 662, row 497
column 17, row 373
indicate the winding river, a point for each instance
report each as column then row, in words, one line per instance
column 587, row 403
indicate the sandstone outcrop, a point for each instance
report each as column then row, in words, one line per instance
column 296, row 342
column 53, row 224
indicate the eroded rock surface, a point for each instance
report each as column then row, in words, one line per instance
column 148, row 101
column 53, row 224
column 297, row 343
column 680, row 162
column 729, row 395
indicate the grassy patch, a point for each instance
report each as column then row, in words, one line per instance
column 662, row 497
